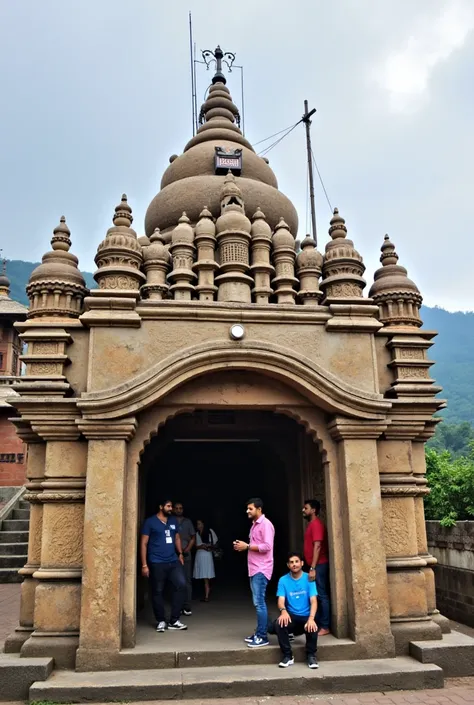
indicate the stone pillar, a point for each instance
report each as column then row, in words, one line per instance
column 419, row 471
column 366, row 575
column 206, row 265
column 58, row 593
column 405, row 566
column 284, row 256
column 261, row 267
column 104, row 523
column 182, row 252
column 35, row 475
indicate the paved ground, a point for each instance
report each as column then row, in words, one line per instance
column 458, row 691
column 9, row 609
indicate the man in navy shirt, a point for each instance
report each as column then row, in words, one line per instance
column 162, row 560
column 297, row 603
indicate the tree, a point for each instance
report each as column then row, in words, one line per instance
column 453, row 437
column 451, row 481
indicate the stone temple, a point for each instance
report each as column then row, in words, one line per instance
column 215, row 361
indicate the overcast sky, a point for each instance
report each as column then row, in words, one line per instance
column 95, row 96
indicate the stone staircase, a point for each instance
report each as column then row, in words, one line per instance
column 14, row 541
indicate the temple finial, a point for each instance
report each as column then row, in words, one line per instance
column 218, row 57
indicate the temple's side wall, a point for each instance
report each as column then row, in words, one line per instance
column 453, row 547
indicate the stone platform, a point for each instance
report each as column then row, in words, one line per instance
column 237, row 681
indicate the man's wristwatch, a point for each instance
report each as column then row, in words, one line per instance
column 282, row 609
column 313, row 567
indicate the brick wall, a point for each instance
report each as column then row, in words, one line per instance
column 12, row 453
column 454, row 549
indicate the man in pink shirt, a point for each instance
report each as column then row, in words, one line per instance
column 260, row 562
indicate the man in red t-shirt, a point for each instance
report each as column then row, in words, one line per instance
column 316, row 555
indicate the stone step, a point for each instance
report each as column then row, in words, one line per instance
column 454, row 653
column 10, row 575
column 13, row 537
column 12, row 561
column 17, row 675
column 23, row 505
column 237, row 681
column 15, row 525
column 20, row 514
column 11, row 549
column 143, row 657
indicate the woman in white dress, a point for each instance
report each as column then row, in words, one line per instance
column 206, row 541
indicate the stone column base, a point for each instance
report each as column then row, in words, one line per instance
column 96, row 660
column 55, row 645
column 404, row 631
column 376, row 646
column 16, row 639
column 441, row 621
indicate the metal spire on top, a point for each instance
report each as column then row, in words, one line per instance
column 218, row 57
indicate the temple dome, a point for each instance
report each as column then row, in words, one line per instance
column 190, row 181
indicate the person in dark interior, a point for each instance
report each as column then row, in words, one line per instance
column 187, row 533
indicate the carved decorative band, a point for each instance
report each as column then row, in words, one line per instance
column 31, row 497
column 58, row 574
column 342, row 428
column 97, row 429
column 403, row 491
column 67, row 484
column 62, row 497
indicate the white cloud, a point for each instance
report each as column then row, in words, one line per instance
column 406, row 72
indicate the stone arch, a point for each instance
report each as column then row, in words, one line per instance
column 318, row 386
column 293, row 405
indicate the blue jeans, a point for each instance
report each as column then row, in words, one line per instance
column 258, row 586
column 322, row 585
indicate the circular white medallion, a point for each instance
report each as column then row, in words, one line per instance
column 237, row 331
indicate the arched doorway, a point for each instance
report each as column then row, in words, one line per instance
column 213, row 460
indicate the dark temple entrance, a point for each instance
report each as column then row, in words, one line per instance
column 213, row 461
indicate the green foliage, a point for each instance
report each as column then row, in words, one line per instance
column 456, row 438
column 451, row 481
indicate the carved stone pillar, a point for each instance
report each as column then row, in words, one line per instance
column 366, row 578
column 156, row 263
column 182, row 251
column 309, row 264
column 419, row 471
column 284, row 257
column 104, row 523
column 261, row 267
column 58, row 594
column 35, row 475
column 206, row 265
column 405, row 566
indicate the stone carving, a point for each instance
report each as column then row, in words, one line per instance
column 415, row 372
column 412, row 354
column 206, row 265
column 182, row 252
column 119, row 256
column 45, row 348
column 44, row 368
column 156, row 263
column 56, row 287
column 233, row 240
column 284, row 257
column 309, row 264
column 397, row 296
column 261, row 268
column 343, row 266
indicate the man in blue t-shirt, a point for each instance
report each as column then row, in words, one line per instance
column 162, row 560
column 297, row 603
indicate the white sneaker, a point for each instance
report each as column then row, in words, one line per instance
column 177, row 626
column 161, row 626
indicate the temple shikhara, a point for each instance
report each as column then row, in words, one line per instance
column 216, row 360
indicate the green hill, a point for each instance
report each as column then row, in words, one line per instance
column 453, row 349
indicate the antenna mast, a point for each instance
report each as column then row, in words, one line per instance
column 193, row 74
column 306, row 119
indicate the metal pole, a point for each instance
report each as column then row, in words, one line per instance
column 307, row 122
column 192, row 70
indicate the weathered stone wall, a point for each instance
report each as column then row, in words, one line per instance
column 454, row 549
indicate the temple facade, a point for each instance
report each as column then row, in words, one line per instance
column 217, row 360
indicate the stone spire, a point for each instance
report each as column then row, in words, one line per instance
column 309, row 264
column 156, row 263
column 261, row 268
column 233, row 239
column 206, row 265
column 284, row 260
column 397, row 297
column 119, row 256
column 56, row 287
column 343, row 266
column 182, row 251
